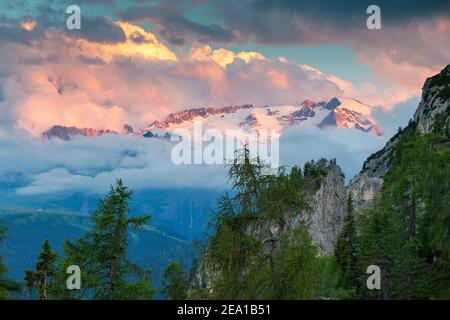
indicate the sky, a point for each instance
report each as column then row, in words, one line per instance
column 137, row 61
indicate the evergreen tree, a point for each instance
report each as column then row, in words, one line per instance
column 346, row 249
column 7, row 286
column 102, row 252
column 244, row 173
column 43, row 277
column 29, row 282
column 175, row 282
column 4, row 294
column 376, row 246
column 296, row 266
column 230, row 251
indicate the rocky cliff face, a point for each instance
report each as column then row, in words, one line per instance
column 435, row 99
column 325, row 222
column 365, row 185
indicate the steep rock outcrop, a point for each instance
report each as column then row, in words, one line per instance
column 435, row 99
column 325, row 222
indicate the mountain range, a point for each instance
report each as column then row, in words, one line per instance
column 342, row 113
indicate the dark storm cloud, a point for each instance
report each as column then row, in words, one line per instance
column 284, row 21
column 15, row 34
column 98, row 29
column 176, row 28
column 341, row 11
column 93, row 28
column 12, row 32
column 262, row 21
column 276, row 21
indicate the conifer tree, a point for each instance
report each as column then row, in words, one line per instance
column 102, row 252
column 230, row 250
column 376, row 247
column 244, row 173
column 175, row 282
column 29, row 282
column 43, row 277
column 7, row 286
column 296, row 266
column 346, row 249
column 4, row 294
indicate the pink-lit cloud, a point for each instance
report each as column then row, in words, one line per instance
column 84, row 83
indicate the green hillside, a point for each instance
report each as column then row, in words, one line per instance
column 28, row 228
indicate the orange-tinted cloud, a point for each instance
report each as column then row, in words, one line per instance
column 222, row 56
column 138, row 44
column 28, row 25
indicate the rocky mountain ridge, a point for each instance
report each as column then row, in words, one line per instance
column 343, row 113
column 67, row 133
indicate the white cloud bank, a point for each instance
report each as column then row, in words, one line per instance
column 92, row 164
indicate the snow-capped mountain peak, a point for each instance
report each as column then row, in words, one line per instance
column 351, row 113
column 337, row 112
column 354, row 105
